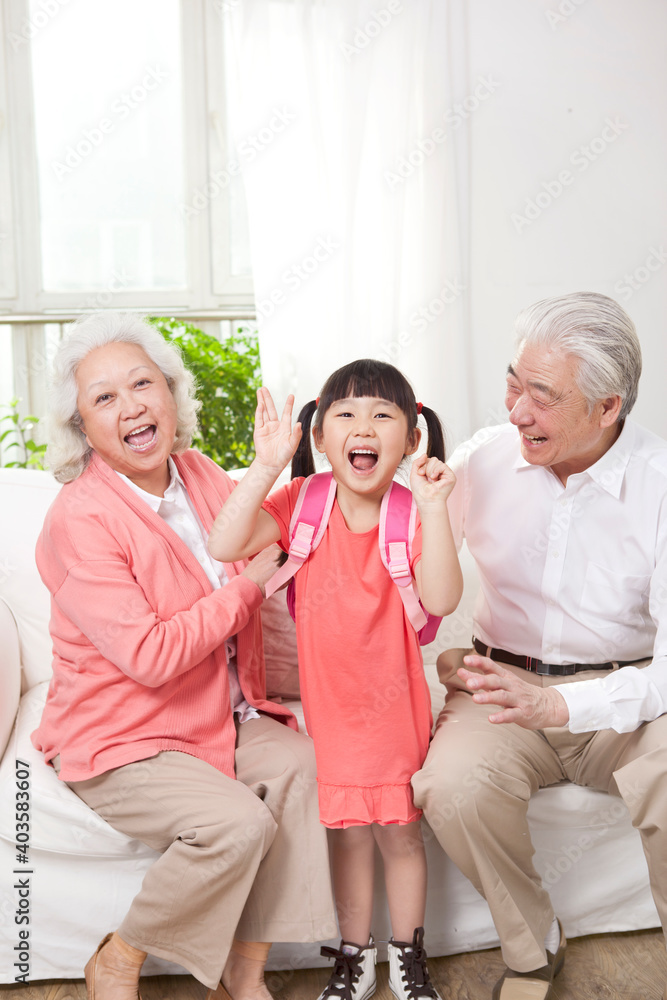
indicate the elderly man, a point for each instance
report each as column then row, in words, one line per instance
column 565, row 512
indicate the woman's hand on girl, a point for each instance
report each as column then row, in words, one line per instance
column 275, row 438
column 431, row 481
column 261, row 567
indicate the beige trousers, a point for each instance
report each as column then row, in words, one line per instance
column 475, row 786
column 246, row 857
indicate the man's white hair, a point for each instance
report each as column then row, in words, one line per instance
column 595, row 330
column 68, row 451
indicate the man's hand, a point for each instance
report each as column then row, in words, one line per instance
column 263, row 566
column 526, row 704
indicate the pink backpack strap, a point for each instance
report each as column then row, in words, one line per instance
column 307, row 526
column 398, row 517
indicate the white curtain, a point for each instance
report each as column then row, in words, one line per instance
column 357, row 190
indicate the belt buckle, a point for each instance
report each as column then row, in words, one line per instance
column 557, row 669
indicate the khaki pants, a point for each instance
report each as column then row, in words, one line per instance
column 475, row 786
column 246, row 857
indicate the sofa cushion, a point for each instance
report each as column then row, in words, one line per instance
column 25, row 497
column 11, row 672
column 62, row 823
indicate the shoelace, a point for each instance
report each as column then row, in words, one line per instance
column 415, row 971
column 346, row 972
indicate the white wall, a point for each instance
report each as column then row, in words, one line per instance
column 560, row 84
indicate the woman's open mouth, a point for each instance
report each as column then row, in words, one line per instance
column 142, row 438
column 362, row 459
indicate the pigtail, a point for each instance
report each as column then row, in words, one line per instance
column 302, row 461
column 435, row 447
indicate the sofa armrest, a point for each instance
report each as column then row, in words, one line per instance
column 10, row 665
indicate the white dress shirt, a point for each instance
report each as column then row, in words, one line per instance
column 176, row 510
column 574, row 573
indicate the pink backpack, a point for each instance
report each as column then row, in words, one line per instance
column 398, row 515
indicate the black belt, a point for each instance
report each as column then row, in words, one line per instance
column 536, row 666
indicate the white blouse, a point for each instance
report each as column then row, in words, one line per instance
column 176, row 510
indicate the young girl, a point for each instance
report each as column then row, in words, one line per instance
column 365, row 697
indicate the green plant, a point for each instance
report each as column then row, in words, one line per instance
column 21, row 429
column 228, row 376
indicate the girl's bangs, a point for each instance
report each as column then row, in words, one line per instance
column 370, row 379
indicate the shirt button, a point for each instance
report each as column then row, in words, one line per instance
column 555, row 553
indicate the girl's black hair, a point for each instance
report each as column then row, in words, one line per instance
column 366, row 377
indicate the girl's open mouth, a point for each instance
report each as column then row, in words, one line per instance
column 142, row 438
column 363, row 459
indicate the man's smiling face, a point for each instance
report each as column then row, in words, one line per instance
column 556, row 425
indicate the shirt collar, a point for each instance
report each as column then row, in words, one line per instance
column 169, row 494
column 609, row 471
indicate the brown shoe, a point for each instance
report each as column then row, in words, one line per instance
column 535, row 985
column 219, row 993
column 113, row 971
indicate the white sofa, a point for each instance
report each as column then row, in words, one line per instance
column 82, row 874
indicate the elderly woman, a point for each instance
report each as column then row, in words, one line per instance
column 157, row 714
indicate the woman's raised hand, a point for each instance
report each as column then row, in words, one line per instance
column 431, row 481
column 275, row 439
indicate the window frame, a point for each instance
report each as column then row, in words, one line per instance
column 7, row 247
column 20, row 252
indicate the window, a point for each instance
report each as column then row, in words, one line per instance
column 116, row 129
column 7, row 274
column 110, row 148
column 113, row 130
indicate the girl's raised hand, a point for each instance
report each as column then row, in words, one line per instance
column 431, row 481
column 275, row 439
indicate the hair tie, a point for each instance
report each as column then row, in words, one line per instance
column 419, row 408
column 317, row 401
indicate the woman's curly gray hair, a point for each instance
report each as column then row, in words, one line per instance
column 68, row 451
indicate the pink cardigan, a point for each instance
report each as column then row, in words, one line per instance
column 138, row 636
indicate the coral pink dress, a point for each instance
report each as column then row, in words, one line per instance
column 365, row 696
